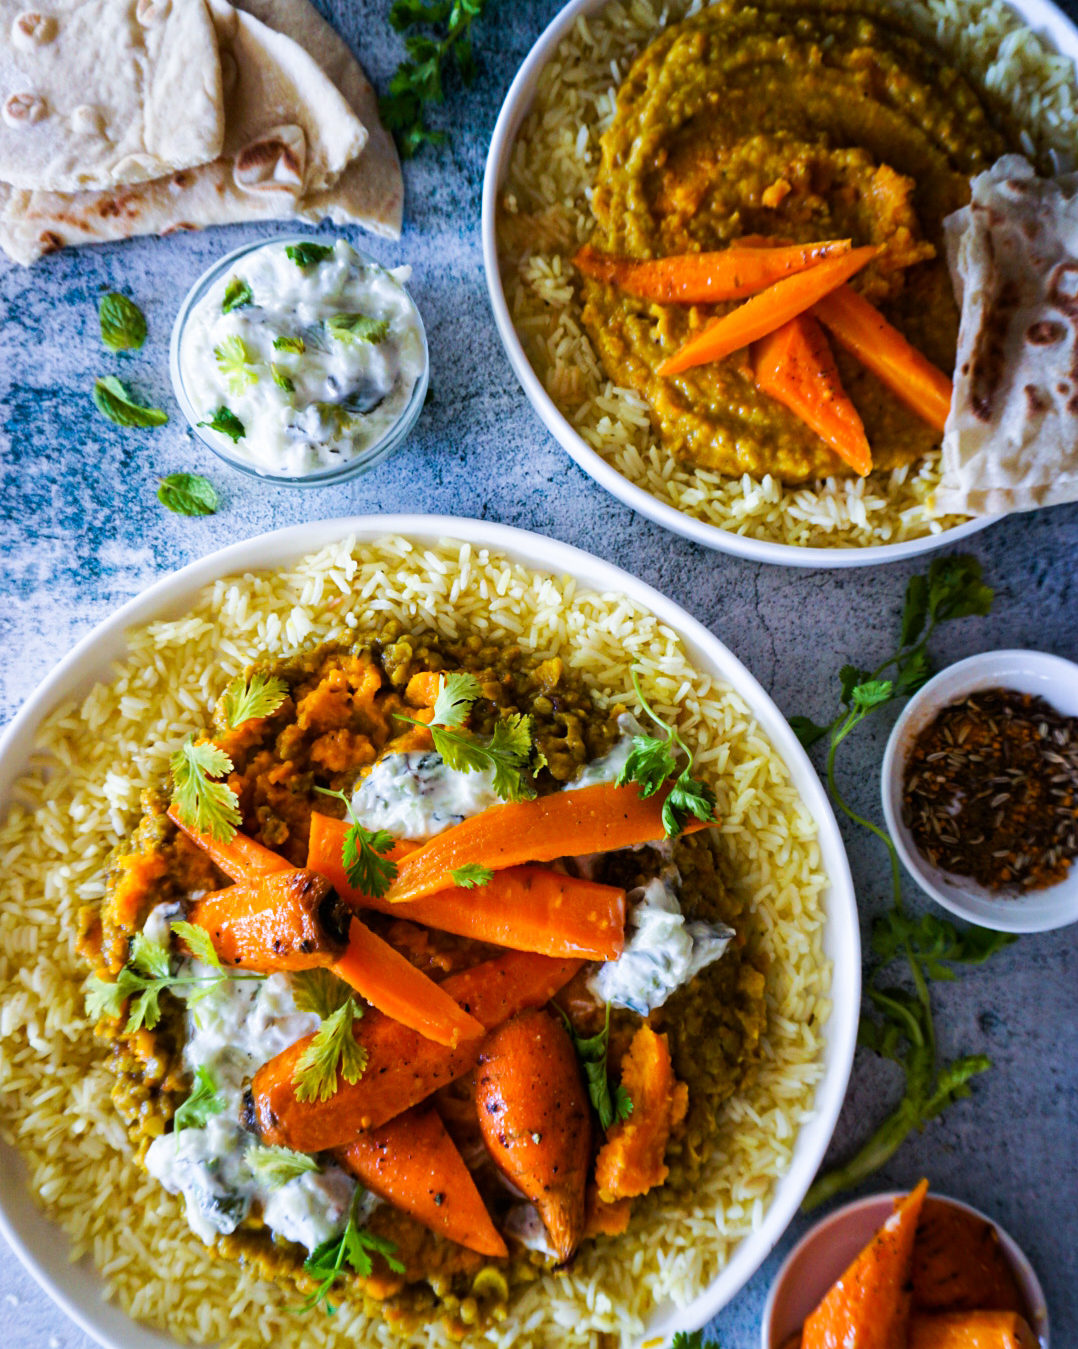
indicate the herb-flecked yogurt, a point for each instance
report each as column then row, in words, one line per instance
column 300, row 357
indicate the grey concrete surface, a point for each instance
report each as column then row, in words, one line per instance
column 81, row 532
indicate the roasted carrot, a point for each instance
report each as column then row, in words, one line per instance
column 971, row 1330
column 959, row 1264
column 413, row 1164
column 403, row 1068
column 240, row 858
column 524, row 908
column 533, row 1113
column 392, row 984
column 564, row 824
column 706, row 278
column 630, row 1162
column 879, row 346
column 794, row 365
column 869, row 1306
column 765, row 312
column 286, row 920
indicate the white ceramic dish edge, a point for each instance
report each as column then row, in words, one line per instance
column 1053, row 678
column 1042, row 16
column 77, row 1289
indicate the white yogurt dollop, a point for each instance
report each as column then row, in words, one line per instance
column 298, row 363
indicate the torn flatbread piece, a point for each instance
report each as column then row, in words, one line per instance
column 370, row 192
column 94, row 93
column 288, row 133
column 1011, row 439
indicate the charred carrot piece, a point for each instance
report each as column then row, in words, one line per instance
column 564, row 824
column 765, row 312
column 392, row 984
column 240, row 858
column 794, row 365
column 870, row 1304
column 972, row 1330
column 630, row 1162
column 959, row 1263
column 287, row 920
column 881, row 348
column 707, row 278
column 524, row 908
column 413, row 1164
column 533, row 1114
column 403, row 1068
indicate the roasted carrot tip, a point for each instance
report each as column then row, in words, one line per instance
column 241, row 858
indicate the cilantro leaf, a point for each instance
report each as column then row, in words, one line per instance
column 104, row 998
column 296, row 345
column 687, row 796
column 935, row 941
column 914, row 671
column 592, row 1051
column 351, row 328
column 281, row 379
column 188, row 494
column 456, row 693
column 198, row 942
column 362, row 853
column 259, row 696
column 807, row 731
column 112, row 400
column 123, row 325
column 352, row 1247
column 849, row 677
column 332, row 1052
column 472, row 874
column 956, row 590
column 914, row 610
column 204, row 805
column 238, row 295
column 653, row 761
column 873, row 693
column 203, row 1102
column 308, row 254
column 505, row 754
column 692, row 1339
column 149, row 958
column 320, row 992
column 236, row 363
column 226, row 423
column 276, row 1166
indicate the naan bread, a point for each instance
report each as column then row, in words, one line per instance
column 370, row 192
column 1011, row 439
column 99, row 92
column 288, row 133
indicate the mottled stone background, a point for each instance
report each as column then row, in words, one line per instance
column 82, row 532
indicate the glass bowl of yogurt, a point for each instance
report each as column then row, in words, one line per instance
column 300, row 361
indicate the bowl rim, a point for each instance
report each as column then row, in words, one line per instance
column 34, row 1237
column 884, row 1202
column 1041, row 15
column 374, row 454
column 1039, row 911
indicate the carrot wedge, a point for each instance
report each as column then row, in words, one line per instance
column 972, row 1330
column 794, row 365
column 402, row 1068
column 240, row 858
column 768, row 310
column 524, row 908
column 870, row 1304
column 291, row 920
column 564, row 824
column 706, row 278
column 881, row 348
column 391, row 983
column 413, row 1164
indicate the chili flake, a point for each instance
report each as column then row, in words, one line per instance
column 991, row 791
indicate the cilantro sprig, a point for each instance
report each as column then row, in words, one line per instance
column 202, row 804
column 363, row 853
column 654, row 760
column 899, row 1024
column 203, row 1102
column 332, row 1053
column 353, row 1248
column 593, row 1051
column 245, row 699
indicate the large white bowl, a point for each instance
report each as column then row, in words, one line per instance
column 40, row 1245
column 1041, row 15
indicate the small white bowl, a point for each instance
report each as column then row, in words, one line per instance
column 1049, row 677
column 828, row 1249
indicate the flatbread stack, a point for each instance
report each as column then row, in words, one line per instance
column 128, row 117
column 1011, row 439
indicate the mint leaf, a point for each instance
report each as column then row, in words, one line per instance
column 188, row 494
column 351, row 328
column 113, row 400
column 308, row 254
column 227, row 424
column 296, row 345
column 123, row 326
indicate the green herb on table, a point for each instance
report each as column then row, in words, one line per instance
column 332, row 1053
column 308, row 254
column 276, row 1166
column 238, row 294
column 353, row 1248
column 367, row 869
column 900, row 1025
column 419, row 80
column 692, row 1339
column 296, row 345
column 227, row 424
column 114, row 401
column 593, row 1051
column 203, row 1102
column 188, row 494
column 204, row 805
column 123, row 325
column 236, row 363
column 472, row 874
column 351, row 328
column 245, row 699
column 653, row 760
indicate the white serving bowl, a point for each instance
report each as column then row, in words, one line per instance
column 40, row 1245
column 1049, row 677
column 1041, row 15
column 827, row 1250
